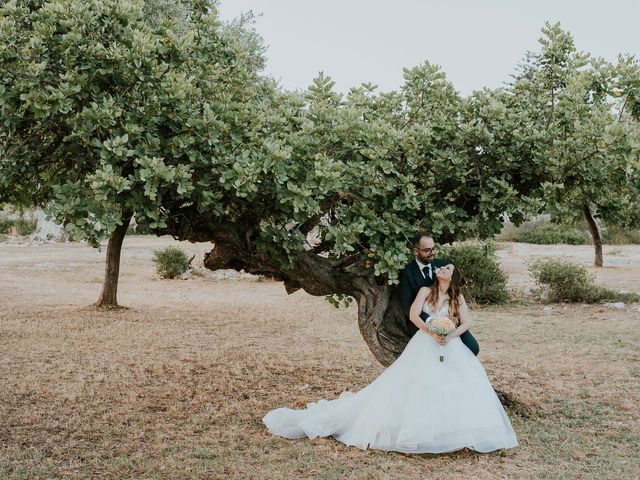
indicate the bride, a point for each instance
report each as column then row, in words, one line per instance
column 434, row 398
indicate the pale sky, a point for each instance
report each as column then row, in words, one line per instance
column 476, row 43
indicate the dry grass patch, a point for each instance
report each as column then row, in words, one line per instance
column 175, row 385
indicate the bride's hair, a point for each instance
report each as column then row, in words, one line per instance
column 457, row 282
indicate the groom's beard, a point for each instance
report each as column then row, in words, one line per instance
column 429, row 259
column 426, row 260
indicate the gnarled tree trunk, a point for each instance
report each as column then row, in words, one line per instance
column 109, row 294
column 382, row 322
column 595, row 234
column 380, row 317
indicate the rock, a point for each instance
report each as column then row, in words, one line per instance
column 547, row 309
column 47, row 230
column 618, row 305
column 225, row 274
column 186, row 274
column 528, row 291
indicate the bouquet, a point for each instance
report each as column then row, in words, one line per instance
column 442, row 326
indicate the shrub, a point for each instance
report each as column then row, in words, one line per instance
column 552, row 234
column 25, row 226
column 171, row 262
column 486, row 282
column 544, row 233
column 603, row 294
column 562, row 281
column 5, row 225
column 619, row 236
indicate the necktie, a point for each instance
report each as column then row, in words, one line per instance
column 427, row 271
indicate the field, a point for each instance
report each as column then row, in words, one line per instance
column 174, row 386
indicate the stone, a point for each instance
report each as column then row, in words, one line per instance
column 618, row 305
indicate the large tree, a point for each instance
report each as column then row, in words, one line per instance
column 326, row 196
column 107, row 105
column 587, row 155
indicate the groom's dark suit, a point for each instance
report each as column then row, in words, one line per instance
column 411, row 280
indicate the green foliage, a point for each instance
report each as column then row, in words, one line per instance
column 111, row 107
column 562, row 281
column 552, row 234
column 171, row 262
column 603, row 294
column 486, row 281
column 544, row 233
column 371, row 169
column 578, row 105
column 6, row 224
column 620, row 236
column 339, row 300
column 24, row 225
column 547, row 233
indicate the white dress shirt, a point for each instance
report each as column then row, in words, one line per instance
column 421, row 266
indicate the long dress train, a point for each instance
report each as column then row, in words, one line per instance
column 417, row 405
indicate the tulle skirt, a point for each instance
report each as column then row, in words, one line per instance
column 417, row 405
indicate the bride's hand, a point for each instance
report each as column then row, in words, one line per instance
column 438, row 339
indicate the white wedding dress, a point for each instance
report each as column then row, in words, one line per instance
column 417, row 405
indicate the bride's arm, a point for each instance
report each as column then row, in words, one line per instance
column 416, row 309
column 465, row 319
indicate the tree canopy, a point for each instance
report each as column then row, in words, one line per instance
column 102, row 110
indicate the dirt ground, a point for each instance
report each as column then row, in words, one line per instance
column 174, row 386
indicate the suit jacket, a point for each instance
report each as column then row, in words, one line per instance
column 411, row 280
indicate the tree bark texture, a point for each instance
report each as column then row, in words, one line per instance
column 595, row 234
column 109, row 294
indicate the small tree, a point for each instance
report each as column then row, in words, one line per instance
column 106, row 106
column 587, row 147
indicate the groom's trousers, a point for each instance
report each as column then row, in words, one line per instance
column 470, row 341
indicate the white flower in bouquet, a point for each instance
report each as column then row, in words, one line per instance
column 442, row 326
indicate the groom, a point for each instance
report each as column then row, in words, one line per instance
column 421, row 273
